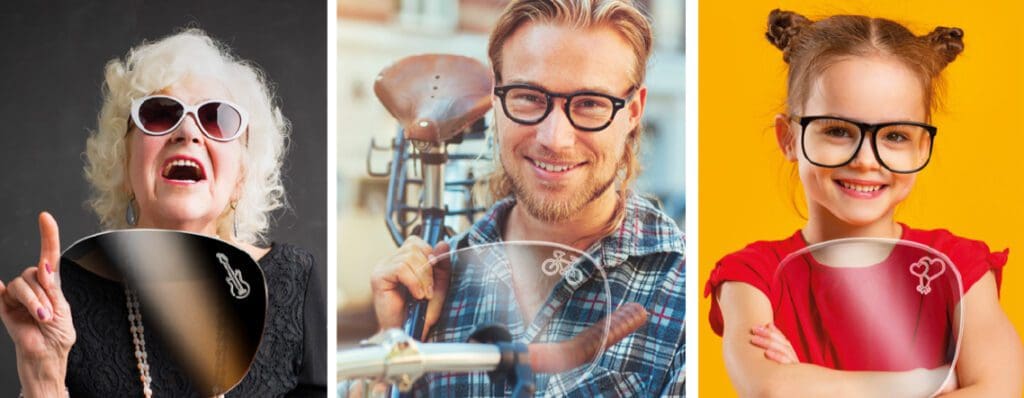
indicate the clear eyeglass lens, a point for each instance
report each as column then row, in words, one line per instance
column 590, row 110
column 903, row 147
column 526, row 104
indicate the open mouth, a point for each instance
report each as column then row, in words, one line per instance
column 860, row 188
column 183, row 170
column 555, row 167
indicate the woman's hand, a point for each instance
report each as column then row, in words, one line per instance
column 410, row 269
column 38, row 318
column 775, row 345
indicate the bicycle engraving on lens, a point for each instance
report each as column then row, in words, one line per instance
column 562, row 266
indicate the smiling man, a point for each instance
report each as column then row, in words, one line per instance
column 568, row 99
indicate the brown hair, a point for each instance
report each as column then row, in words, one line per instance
column 811, row 46
column 625, row 18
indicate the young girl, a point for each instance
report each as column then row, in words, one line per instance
column 858, row 87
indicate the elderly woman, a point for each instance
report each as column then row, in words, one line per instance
column 189, row 139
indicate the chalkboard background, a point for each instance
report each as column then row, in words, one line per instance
column 52, row 55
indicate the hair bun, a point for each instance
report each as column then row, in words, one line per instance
column 783, row 26
column 947, row 42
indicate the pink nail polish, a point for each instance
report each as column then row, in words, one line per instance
column 48, row 268
column 43, row 314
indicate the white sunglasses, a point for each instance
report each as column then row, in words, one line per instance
column 219, row 120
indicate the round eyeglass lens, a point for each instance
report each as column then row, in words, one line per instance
column 159, row 115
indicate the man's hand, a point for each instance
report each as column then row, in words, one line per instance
column 415, row 269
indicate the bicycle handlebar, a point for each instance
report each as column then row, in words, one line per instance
column 395, row 357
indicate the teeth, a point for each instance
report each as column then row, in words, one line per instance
column 860, row 188
column 552, row 167
column 180, row 163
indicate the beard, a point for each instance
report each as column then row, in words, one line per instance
column 544, row 208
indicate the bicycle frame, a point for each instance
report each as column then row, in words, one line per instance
column 433, row 115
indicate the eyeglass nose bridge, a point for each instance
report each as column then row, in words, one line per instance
column 566, row 100
column 865, row 131
column 194, row 112
column 550, row 106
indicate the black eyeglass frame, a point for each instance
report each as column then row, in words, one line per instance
column 865, row 129
column 617, row 104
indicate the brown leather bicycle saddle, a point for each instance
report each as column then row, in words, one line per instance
column 435, row 96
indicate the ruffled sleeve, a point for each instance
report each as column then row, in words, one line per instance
column 972, row 258
column 754, row 265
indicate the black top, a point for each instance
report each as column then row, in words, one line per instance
column 291, row 360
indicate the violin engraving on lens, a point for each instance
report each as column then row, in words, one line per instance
column 239, row 287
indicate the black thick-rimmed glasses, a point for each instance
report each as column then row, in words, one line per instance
column 587, row 110
column 900, row 147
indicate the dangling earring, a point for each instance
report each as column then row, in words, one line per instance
column 234, row 219
column 129, row 212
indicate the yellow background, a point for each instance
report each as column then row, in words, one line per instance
column 974, row 186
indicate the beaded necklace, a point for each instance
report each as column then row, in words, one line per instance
column 139, row 340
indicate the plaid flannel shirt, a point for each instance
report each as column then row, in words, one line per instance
column 643, row 262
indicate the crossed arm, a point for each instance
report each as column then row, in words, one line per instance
column 990, row 363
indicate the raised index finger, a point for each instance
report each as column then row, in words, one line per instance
column 49, row 247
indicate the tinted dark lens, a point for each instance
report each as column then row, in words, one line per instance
column 158, row 115
column 220, row 120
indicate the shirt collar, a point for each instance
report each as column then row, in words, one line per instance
column 645, row 230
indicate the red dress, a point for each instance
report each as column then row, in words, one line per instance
column 890, row 316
